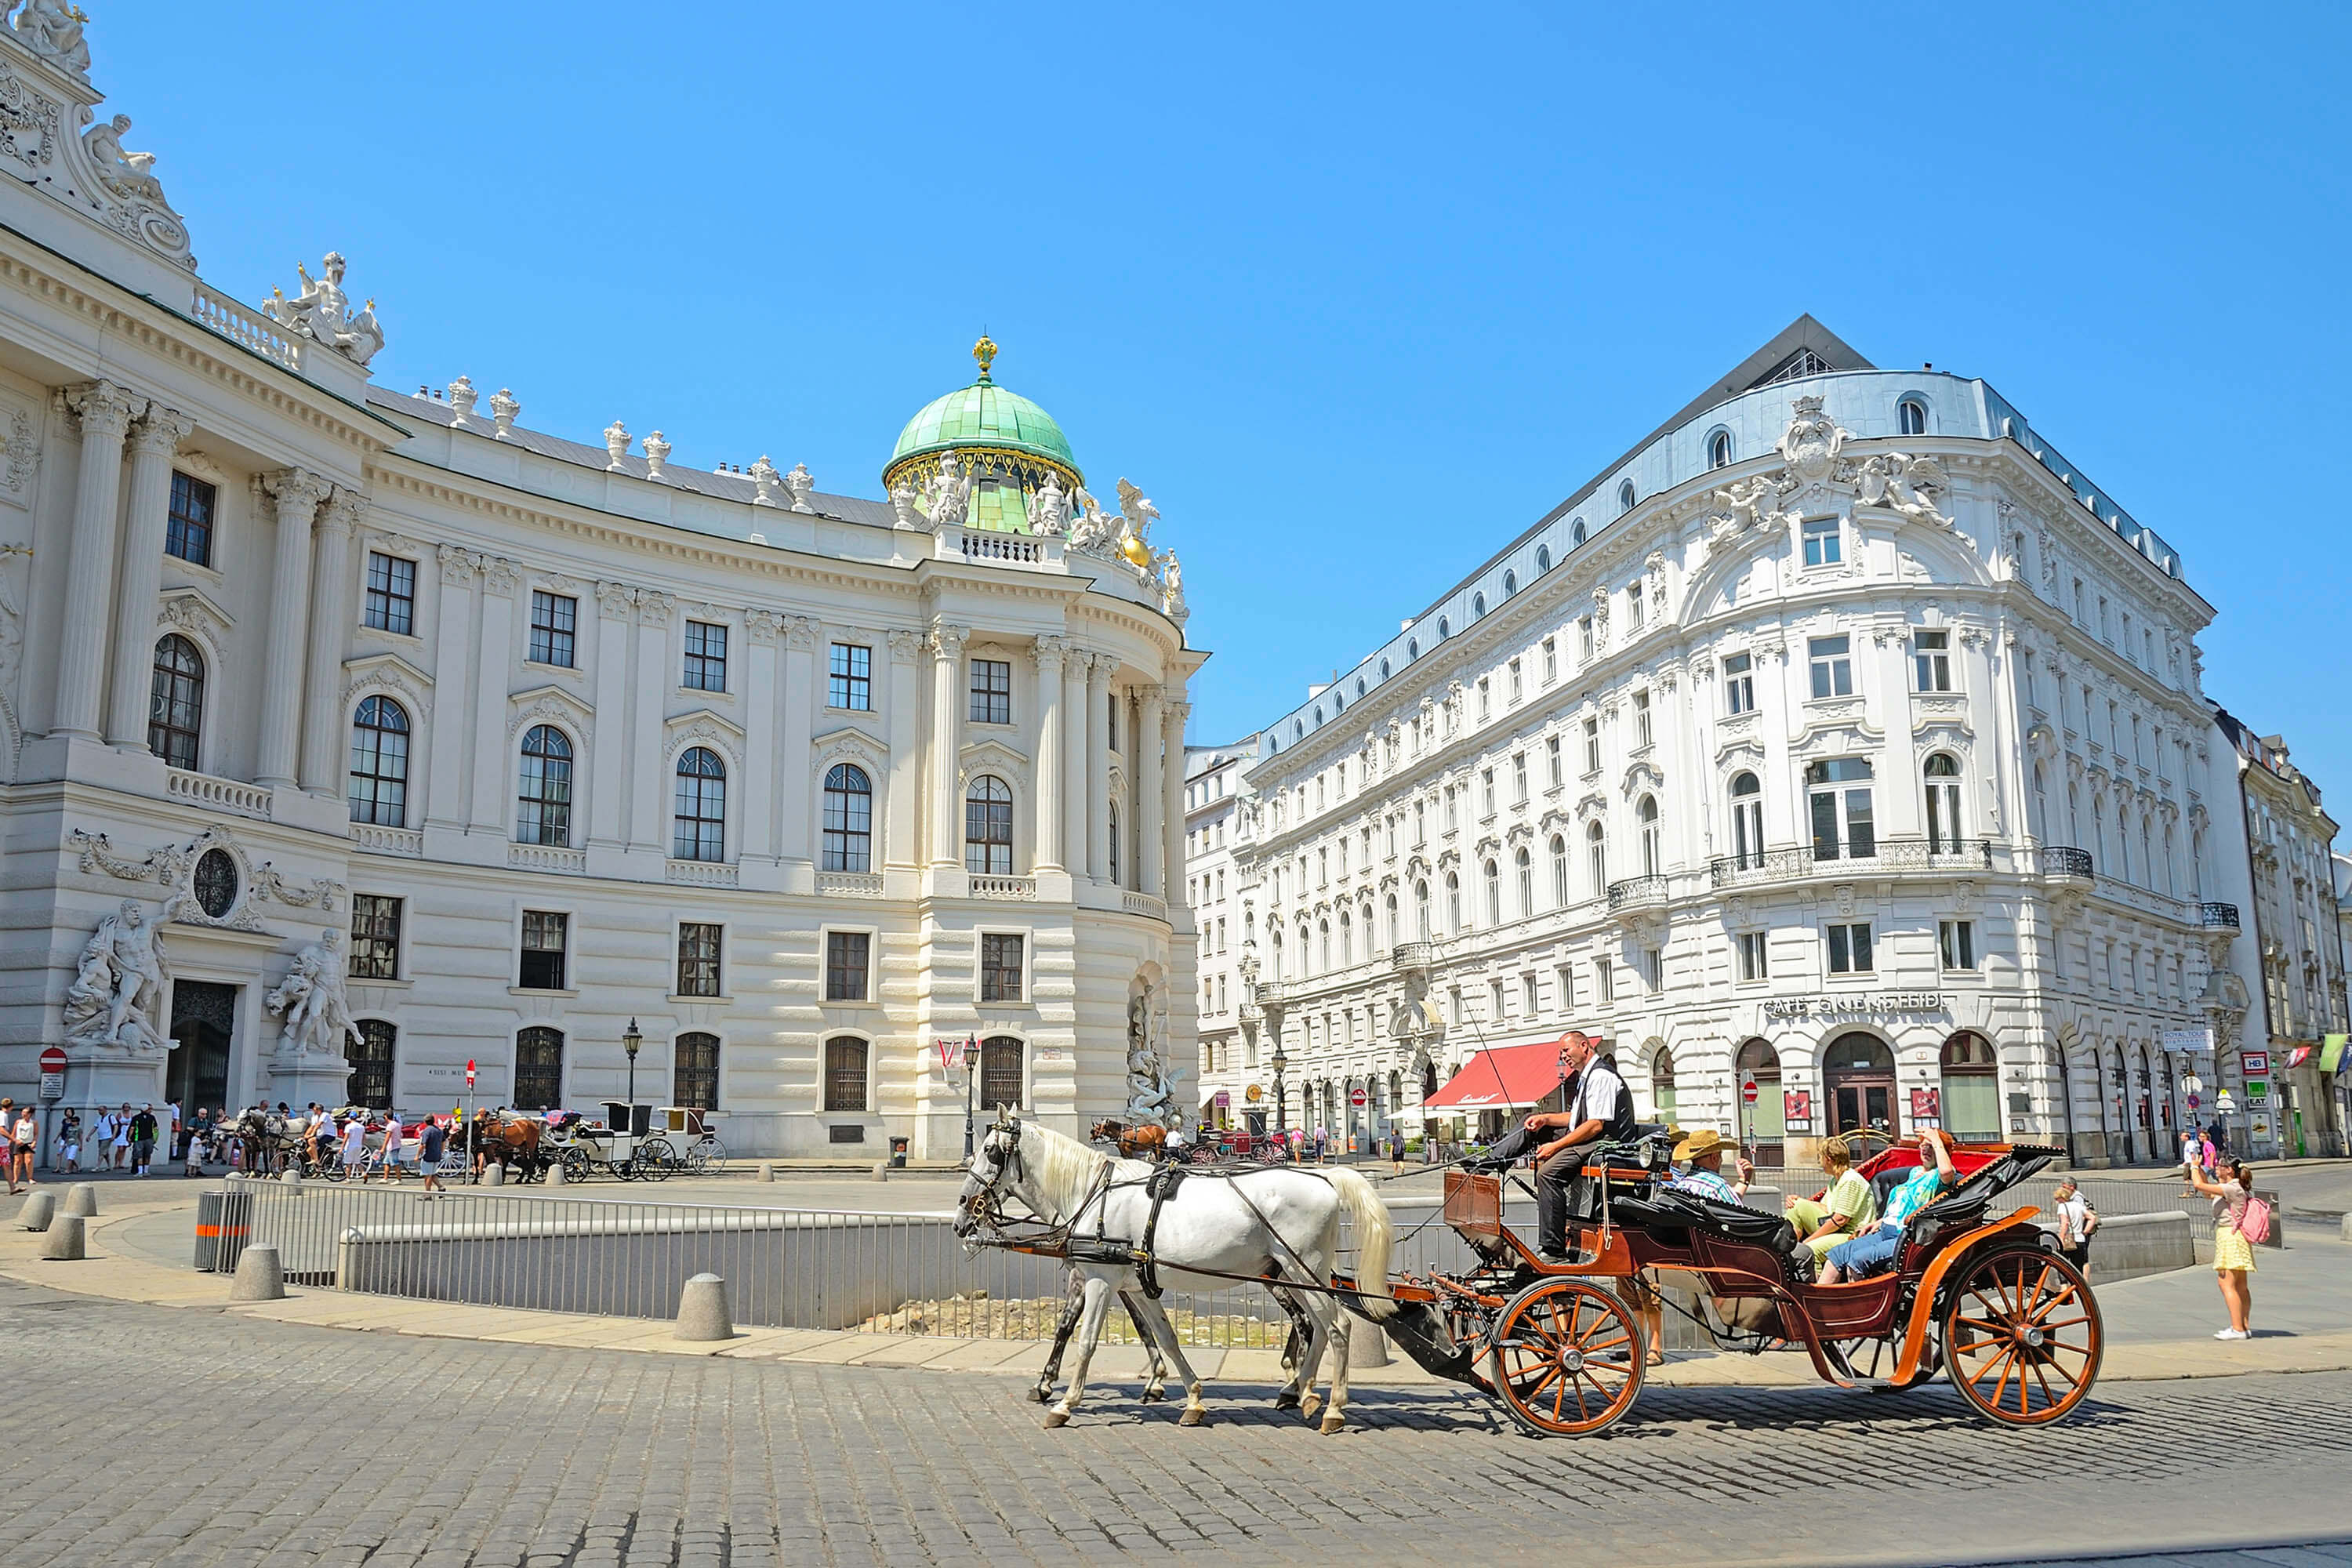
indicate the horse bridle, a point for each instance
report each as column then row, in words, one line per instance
column 985, row 1207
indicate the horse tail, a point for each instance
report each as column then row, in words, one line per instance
column 1375, row 1237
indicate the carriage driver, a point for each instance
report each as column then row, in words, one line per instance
column 1599, row 1109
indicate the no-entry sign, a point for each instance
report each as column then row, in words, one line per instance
column 1356, row 1096
column 1748, row 1090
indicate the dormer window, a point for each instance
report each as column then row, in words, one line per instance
column 1576, row 531
column 1510, row 584
column 1718, row 449
column 1911, row 416
column 1626, row 497
column 1477, row 606
column 1543, row 558
column 1443, row 630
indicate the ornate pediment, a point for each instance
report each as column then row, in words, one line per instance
column 1836, row 736
column 1591, row 805
column 389, row 675
column 849, row 744
column 1640, row 774
column 990, row 754
column 46, row 99
column 550, row 705
column 705, row 727
column 192, row 609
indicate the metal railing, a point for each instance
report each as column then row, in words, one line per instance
column 2218, row 917
column 1832, row 858
column 1637, row 892
column 2065, row 860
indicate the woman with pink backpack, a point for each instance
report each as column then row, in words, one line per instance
column 2241, row 1223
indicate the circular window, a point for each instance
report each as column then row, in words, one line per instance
column 216, row 882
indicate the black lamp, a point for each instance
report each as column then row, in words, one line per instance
column 632, row 1038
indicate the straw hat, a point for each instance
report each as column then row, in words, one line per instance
column 1705, row 1141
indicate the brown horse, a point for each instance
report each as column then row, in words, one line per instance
column 1148, row 1142
column 511, row 1141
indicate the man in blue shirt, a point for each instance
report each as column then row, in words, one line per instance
column 1876, row 1249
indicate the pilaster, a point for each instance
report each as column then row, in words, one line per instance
column 297, row 492
column 153, row 448
column 105, row 411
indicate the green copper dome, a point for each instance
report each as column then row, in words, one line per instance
column 984, row 414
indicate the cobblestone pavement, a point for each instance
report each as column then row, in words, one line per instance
column 143, row 1436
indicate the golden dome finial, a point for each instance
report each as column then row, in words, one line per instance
column 985, row 351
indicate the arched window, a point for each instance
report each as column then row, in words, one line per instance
column 987, row 828
column 1767, row 1119
column 1626, row 497
column 1747, row 822
column 2040, row 802
column 175, row 702
column 1323, row 947
column 1452, row 902
column 1003, row 1082
column 1384, row 670
column 1420, row 910
column 1359, row 689
column 539, row 1069
column 698, row 823
column 1838, row 792
column 1559, row 872
column 1661, row 1085
column 1392, row 919
column 1576, row 532
column 1411, row 649
column 1494, row 895
column 379, row 782
column 1306, row 953
column 1347, row 939
column 1596, row 852
column 1525, row 865
column 2122, row 841
column 2147, row 854
column 1911, row 416
column 1543, row 558
column 543, row 798
column 371, row 1062
column 1445, row 628
column 1653, row 857
column 1510, row 584
column 845, row 1073
column 1943, row 805
column 1274, row 938
column 694, row 1070
column 1718, row 449
column 848, row 819
column 1477, row 606
column 1971, row 1101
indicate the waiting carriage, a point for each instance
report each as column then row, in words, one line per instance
column 623, row 1144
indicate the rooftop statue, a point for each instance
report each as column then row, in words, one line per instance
column 121, row 983
column 1049, row 509
column 130, row 175
column 323, row 313
column 52, row 32
column 902, row 506
column 948, row 495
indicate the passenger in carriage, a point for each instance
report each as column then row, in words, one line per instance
column 1874, row 1248
column 1845, row 1210
column 1702, row 1151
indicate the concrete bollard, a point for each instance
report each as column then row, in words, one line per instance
column 81, row 1199
column 259, row 1276
column 494, row 1174
column 702, row 1313
column 39, row 1210
column 881, row 1171
column 767, row 1169
column 65, row 1240
column 1368, row 1345
column 290, row 1177
column 555, row 1176
column 2348, row 1227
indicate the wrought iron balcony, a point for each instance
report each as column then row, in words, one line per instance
column 2065, row 860
column 2218, row 917
column 1877, row 858
column 1410, row 957
column 1637, row 893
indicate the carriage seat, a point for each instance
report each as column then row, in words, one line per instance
column 1733, row 1221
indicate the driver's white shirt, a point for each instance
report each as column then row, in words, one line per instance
column 1596, row 1094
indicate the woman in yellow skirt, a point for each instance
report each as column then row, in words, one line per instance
column 2233, row 1257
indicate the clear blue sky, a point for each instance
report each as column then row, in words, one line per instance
column 1354, row 294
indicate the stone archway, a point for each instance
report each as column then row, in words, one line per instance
column 1858, row 1082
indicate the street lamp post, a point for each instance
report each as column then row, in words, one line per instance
column 1281, row 1100
column 631, row 1039
column 971, row 1073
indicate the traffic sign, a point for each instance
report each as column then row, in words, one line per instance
column 1747, row 1089
column 470, row 1072
column 2193, row 1102
column 53, row 1059
column 1356, row 1096
column 2254, row 1064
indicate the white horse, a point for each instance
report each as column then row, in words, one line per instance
column 1279, row 1223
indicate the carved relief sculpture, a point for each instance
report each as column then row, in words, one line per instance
column 121, row 983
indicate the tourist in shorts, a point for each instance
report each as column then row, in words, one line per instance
column 355, row 1145
column 431, row 1140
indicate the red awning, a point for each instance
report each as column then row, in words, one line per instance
column 1502, row 1078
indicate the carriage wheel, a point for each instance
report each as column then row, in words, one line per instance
column 1566, row 1358
column 713, row 1153
column 577, row 1164
column 656, row 1160
column 2021, row 1337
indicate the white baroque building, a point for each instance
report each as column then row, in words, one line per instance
column 1214, row 781
column 1841, row 737
column 349, row 738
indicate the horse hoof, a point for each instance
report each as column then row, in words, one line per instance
column 1194, row 1417
column 1041, row 1395
column 1286, row 1400
column 1154, row 1396
column 1057, row 1418
column 1309, row 1406
column 1333, row 1422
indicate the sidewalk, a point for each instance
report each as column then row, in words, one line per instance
column 2158, row 1326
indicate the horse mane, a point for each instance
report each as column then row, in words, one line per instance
column 1064, row 1167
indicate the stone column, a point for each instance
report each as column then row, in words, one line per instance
column 445, row 796
column 800, row 695
column 323, row 719
column 494, row 760
column 1152, row 807
column 906, row 784
column 767, row 766
column 105, row 410
column 649, row 784
column 1173, row 711
column 1080, row 729
column 616, row 607
column 153, row 446
column 1049, row 654
column 1099, row 700
column 297, row 493
column 947, row 741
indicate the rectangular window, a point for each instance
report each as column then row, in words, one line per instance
column 375, row 937
column 1633, row 604
column 846, row 955
column 1551, row 659
column 544, row 938
column 1450, row 821
column 1957, row 939
column 554, row 618
column 1850, row 948
column 1604, row 981
column 1931, row 661
column 1551, row 756
column 1486, row 791
column 1653, row 967
column 697, row 959
column 1584, row 639
column 1485, row 697
column 849, row 679
column 1593, row 745
column 1494, row 1000
column 390, row 595
column 1739, row 684
column 1520, row 776
column 705, row 658
column 992, row 691
column 1832, row 664
column 1564, row 976
column 1751, row 955
column 1518, row 686
column 1822, row 546
column 999, row 967
column 1643, row 734
column 1527, row 995
column 844, row 1083
column 188, row 532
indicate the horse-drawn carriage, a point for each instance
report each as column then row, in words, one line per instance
column 623, row 1144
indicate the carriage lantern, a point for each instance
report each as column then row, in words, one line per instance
column 631, row 1039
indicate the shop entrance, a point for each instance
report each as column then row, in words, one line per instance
column 204, row 1020
column 1859, row 1074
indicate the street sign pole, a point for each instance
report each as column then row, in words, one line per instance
column 469, row 1119
column 971, row 1073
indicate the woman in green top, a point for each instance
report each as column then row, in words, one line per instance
column 1846, row 1210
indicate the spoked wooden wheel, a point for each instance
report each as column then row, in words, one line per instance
column 1566, row 1358
column 2021, row 1337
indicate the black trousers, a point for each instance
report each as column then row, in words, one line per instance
column 1561, row 1187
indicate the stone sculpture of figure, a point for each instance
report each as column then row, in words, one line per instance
column 1150, row 1095
column 315, row 1018
column 323, row 311
column 1912, row 486
column 130, row 175
column 1172, row 578
column 53, row 31
column 1094, row 529
column 948, row 495
column 902, row 507
column 117, row 994
column 1136, row 510
column 1747, row 503
column 1049, row 509
column 802, row 485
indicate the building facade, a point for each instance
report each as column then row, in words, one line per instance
column 1838, row 754
column 357, row 745
column 1212, row 786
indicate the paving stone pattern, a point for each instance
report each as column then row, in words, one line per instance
column 146, row 1436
